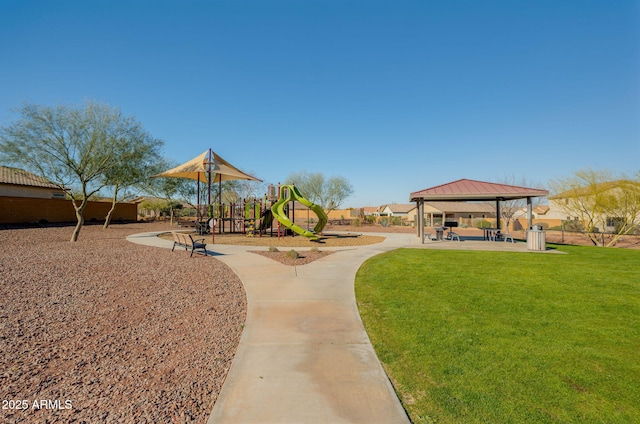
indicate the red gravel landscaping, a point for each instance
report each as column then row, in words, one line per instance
column 104, row 330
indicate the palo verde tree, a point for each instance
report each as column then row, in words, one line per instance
column 328, row 193
column 71, row 146
column 171, row 189
column 600, row 200
column 512, row 209
column 138, row 153
column 235, row 190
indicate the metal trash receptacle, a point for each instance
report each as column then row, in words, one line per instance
column 536, row 239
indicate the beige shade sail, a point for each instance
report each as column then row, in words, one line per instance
column 207, row 167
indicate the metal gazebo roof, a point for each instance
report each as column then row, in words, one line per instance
column 465, row 190
column 472, row 190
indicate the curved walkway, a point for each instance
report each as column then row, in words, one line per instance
column 304, row 355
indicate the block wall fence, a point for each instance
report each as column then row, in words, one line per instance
column 24, row 210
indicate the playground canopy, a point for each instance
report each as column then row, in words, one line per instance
column 207, row 167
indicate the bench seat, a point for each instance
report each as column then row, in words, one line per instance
column 188, row 242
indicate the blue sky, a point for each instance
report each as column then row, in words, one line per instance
column 396, row 96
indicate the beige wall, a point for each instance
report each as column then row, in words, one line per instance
column 339, row 214
column 9, row 190
column 23, row 210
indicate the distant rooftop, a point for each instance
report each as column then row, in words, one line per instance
column 398, row 207
column 16, row 176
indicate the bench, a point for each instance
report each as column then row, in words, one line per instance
column 506, row 237
column 452, row 236
column 187, row 241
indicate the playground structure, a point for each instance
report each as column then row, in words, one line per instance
column 289, row 193
column 256, row 216
column 242, row 217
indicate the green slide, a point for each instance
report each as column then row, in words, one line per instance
column 289, row 193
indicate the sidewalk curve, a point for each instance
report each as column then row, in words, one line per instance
column 304, row 355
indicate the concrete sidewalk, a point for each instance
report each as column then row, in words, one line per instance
column 304, row 356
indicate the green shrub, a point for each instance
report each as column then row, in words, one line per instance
column 293, row 254
column 483, row 224
column 273, row 249
column 315, row 249
column 573, row 226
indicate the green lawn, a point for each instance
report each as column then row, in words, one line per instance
column 500, row 337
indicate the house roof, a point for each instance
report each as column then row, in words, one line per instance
column 20, row 177
column 595, row 188
column 399, row 207
column 465, row 189
column 541, row 210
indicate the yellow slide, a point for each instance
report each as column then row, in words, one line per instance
column 289, row 193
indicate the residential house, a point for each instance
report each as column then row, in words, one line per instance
column 15, row 182
column 605, row 206
column 464, row 213
column 397, row 210
column 26, row 198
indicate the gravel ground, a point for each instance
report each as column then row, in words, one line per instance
column 103, row 330
column 305, row 257
column 327, row 240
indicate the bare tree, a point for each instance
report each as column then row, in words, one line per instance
column 328, row 193
column 511, row 209
column 236, row 190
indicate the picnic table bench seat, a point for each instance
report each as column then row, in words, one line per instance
column 452, row 236
column 506, row 236
column 187, row 241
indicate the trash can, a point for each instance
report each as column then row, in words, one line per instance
column 536, row 239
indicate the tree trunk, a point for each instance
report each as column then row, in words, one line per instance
column 114, row 201
column 79, row 217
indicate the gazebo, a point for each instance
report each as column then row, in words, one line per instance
column 465, row 190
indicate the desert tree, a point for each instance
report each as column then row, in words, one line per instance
column 329, row 193
column 71, row 146
column 514, row 208
column 600, row 199
column 171, row 189
column 236, row 190
column 138, row 153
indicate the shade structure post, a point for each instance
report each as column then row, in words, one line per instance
column 208, row 168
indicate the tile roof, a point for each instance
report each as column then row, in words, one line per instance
column 21, row 177
column 465, row 189
column 399, row 207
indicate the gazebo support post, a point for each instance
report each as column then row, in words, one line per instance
column 420, row 219
column 498, row 214
column 529, row 213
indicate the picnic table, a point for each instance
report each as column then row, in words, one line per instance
column 491, row 234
